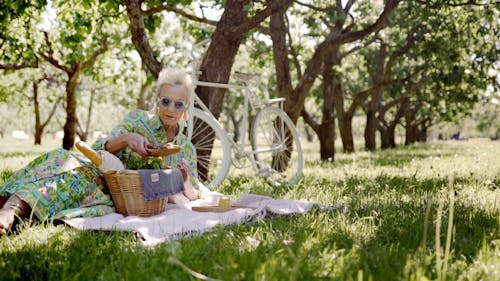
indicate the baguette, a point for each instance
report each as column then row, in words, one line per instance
column 89, row 152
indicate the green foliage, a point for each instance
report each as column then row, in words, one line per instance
column 153, row 163
column 456, row 46
column 487, row 115
column 453, row 51
column 152, row 22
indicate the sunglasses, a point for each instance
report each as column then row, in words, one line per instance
column 166, row 102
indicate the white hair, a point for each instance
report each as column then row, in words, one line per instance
column 174, row 76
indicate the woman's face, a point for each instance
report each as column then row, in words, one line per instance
column 172, row 103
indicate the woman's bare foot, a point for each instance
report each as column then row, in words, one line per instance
column 189, row 191
column 7, row 216
column 3, row 199
column 13, row 207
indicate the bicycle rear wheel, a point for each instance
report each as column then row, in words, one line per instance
column 276, row 146
column 213, row 150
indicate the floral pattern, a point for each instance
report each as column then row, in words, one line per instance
column 65, row 184
column 150, row 126
column 60, row 184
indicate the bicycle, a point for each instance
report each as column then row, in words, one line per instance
column 276, row 152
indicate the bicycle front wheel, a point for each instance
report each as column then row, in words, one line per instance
column 213, row 151
column 276, row 147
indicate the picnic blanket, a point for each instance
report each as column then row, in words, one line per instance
column 179, row 221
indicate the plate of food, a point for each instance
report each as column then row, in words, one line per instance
column 166, row 150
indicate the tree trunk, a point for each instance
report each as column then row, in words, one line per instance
column 384, row 138
column 388, row 137
column 309, row 134
column 140, row 38
column 344, row 117
column 142, row 99
column 236, row 126
column 370, row 130
column 219, row 57
column 327, row 128
column 376, row 100
column 422, row 134
column 345, row 128
column 410, row 135
column 38, row 125
column 71, row 118
column 411, row 128
column 327, row 141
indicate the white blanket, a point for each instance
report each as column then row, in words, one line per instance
column 178, row 221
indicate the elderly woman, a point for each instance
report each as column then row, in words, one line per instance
column 63, row 184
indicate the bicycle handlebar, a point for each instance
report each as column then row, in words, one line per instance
column 197, row 45
column 201, row 43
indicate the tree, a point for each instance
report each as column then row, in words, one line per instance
column 339, row 34
column 237, row 20
column 71, row 41
column 39, row 125
column 380, row 66
column 459, row 50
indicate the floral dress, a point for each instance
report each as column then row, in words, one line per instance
column 150, row 126
column 65, row 184
column 60, row 184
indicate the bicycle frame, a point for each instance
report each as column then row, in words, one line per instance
column 240, row 147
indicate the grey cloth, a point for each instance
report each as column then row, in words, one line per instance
column 161, row 183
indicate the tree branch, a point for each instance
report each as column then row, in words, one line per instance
column 52, row 111
column 140, row 38
column 18, row 66
column 178, row 11
column 336, row 38
column 410, row 39
column 273, row 6
column 293, row 51
column 453, row 4
column 326, row 9
column 358, row 47
column 91, row 60
column 49, row 57
column 390, row 6
column 309, row 120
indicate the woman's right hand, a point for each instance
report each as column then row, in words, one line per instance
column 138, row 143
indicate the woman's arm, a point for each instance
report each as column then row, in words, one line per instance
column 136, row 142
column 125, row 134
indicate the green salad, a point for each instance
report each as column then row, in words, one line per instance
column 145, row 163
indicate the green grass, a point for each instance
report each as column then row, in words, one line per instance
column 387, row 205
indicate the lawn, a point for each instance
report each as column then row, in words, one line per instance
column 424, row 212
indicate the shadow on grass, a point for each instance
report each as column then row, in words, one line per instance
column 381, row 231
column 393, row 228
column 389, row 157
column 69, row 254
column 318, row 245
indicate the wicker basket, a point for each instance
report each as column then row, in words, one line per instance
column 126, row 191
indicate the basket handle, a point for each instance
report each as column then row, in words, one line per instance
column 89, row 152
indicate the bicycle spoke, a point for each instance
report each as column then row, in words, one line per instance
column 277, row 147
column 212, row 150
